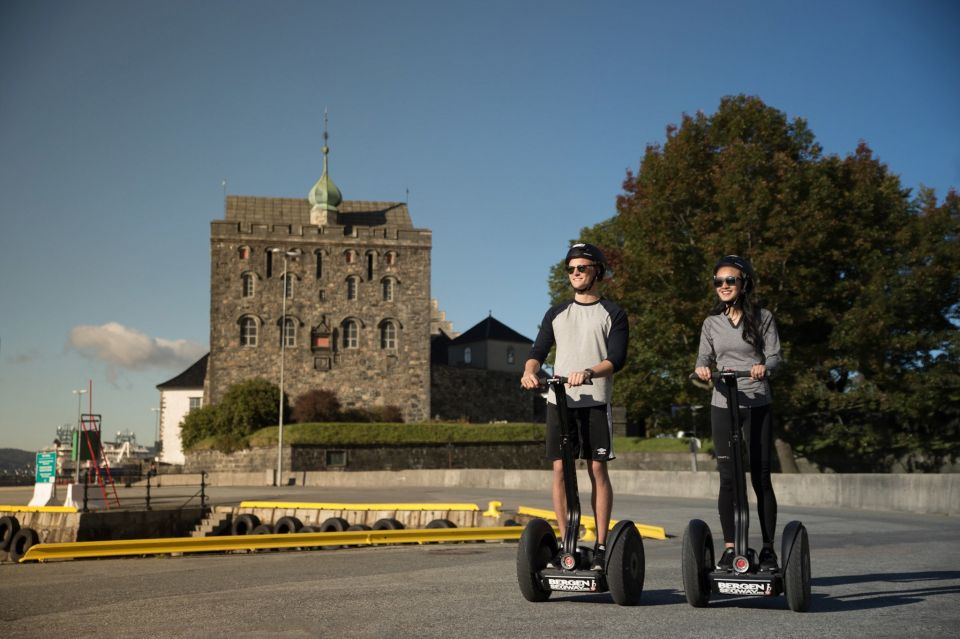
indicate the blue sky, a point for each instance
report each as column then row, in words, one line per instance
column 512, row 124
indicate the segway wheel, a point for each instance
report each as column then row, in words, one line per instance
column 626, row 565
column 538, row 545
column 796, row 570
column 697, row 562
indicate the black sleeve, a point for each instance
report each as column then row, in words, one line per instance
column 541, row 347
column 617, row 339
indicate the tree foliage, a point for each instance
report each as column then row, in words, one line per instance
column 864, row 281
column 245, row 408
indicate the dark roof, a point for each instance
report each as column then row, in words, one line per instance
column 282, row 210
column 488, row 329
column 191, row 378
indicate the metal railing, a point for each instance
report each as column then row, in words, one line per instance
column 132, row 497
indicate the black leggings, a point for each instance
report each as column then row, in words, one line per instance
column 758, row 431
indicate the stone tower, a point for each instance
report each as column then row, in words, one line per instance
column 339, row 288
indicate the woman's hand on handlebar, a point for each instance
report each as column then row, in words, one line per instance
column 703, row 372
column 758, row 371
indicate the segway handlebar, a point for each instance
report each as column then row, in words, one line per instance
column 559, row 379
column 715, row 375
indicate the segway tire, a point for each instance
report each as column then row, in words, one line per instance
column 626, row 565
column 796, row 571
column 286, row 525
column 8, row 528
column 22, row 542
column 538, row 545
column 697, row 562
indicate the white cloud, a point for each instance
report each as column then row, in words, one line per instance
column 128, row 348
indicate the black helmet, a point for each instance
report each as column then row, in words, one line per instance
column 589, row 252
column 740, row 263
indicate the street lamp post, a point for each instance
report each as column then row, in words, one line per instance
column 283, row 343
column 76, row 446
column 156, row 432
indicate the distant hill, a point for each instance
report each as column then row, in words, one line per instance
column 14, row 459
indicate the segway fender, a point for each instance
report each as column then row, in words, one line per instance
column 618, row 529
column 791, row 532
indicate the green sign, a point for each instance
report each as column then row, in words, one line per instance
column 46, row 467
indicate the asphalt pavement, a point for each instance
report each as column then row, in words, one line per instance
column 875, row 574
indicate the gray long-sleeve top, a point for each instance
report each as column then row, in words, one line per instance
column 722, row 344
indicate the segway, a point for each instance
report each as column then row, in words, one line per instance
column 624, row 570
column 701, row 577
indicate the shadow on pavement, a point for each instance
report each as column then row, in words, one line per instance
column 883, row 598
column 649, row 598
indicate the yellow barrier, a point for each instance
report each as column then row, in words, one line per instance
column 332, row 506
column 133, row 547
column 588, row 522
column 37, row 509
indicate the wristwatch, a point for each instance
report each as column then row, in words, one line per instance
column 589, row 370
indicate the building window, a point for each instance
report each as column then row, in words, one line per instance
column 510, row 356
column 288, row 279
column 351, row 334
column 388, row 289
column 352, row 285
column 269, row 255
column 248, row 332
column 244, row 252
column 388, row 336
column 350, row 256
column 289, row 332
column 390, row 258
column 249, row 284
column 195, row 403
column 319, row 255
column 370, row 261
column 467, row 355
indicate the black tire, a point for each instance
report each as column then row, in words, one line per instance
column 626, row 565
column 262, row 529
column 387, row 523
column 441, row 523
column 796, row 572
column 244, row 524
column 307, row 529
column 697, row 563
column 538, row 545
column 8, row 528
column 333, row 524
column 22, row 542
column 286, row 525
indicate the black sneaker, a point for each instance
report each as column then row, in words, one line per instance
column 768, row 560
column 554, row 563
column 598, row 559
column 726, row 560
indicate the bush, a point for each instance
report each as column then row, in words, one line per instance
column 316, row 406
column 198, row 425
column 246, row 407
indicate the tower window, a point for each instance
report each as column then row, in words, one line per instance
column 352, row 286
column 351, row 334
column 248, row 284
column 388, row 336
column 319, row 255
column 289, row 336
column 390, row 258
column 288, row 279
column 244, row 252
column 388, row 286
column 248, row 331
column 350, row 256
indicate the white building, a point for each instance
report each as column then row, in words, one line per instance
column 179, row 396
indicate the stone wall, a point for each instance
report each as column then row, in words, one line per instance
column 368, row 375
column 460, row 393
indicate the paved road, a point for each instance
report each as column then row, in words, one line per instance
column 875, row 575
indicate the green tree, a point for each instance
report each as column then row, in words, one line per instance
column 863, row 280
column 248, row 406
column 198, row 425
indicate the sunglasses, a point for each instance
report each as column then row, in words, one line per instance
column 729, row 280
column 580, row 268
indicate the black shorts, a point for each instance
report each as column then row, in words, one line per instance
column 595, row 424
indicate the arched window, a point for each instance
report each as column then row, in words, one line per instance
column 352, row 287
column 289, row 335
column 388, row 336
column 248, row 331
column 510, row 356
column 467, row 355
column 388, row 287
column 249, row 284
column 351, row 334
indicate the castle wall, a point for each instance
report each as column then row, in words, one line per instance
column 365, row 376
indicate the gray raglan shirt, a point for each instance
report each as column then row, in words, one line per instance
column 721, row 344
column 585, row 335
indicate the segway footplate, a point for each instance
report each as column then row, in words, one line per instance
column 746, row 585
column 573, row 580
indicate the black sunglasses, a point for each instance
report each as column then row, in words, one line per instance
column 729, row 280
column 580, row 268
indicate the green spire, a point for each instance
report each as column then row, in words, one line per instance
column 325, row 195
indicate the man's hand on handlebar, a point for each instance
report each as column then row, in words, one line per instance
column 531, row 381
